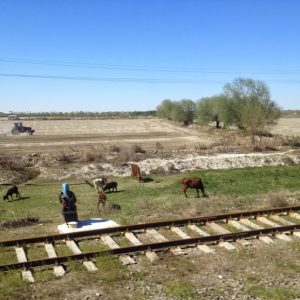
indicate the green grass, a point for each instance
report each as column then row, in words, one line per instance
column 160, row 199
column 111, row 268
column 180, row 290
column 142, row 202
column 277, row 293
column 11, row 284
column 7, row 255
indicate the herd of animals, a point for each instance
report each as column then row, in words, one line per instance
column 102, row 185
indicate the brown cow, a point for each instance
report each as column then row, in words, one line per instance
column 136, row 172
column 194, row 183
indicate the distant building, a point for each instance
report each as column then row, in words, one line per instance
column 13, row 117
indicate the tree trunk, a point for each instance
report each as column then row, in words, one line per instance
column 218, row 124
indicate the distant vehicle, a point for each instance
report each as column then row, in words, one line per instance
column 19, row 128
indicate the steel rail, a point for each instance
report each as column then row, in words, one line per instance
column 150, row 247
column 142, row 226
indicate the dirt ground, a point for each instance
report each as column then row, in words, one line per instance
column 56, row 135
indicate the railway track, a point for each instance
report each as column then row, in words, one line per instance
column 230, row 230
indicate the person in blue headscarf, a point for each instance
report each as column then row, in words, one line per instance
column 68, row 204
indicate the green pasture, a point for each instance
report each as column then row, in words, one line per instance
column 159, row 198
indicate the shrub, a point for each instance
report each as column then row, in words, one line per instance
column 121, row 158
column 158, row 147
column 277, row 200
column 64, row 158
column 31, row 174
column 114, row 148
column 293, row 141
column 158, row 171
column 137, row 149
column 86, row 156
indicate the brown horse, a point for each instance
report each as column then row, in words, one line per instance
column 193, row 183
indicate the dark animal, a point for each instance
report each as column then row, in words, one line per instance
column 136, row 172
column 13, row 190
column 101, row 200
column 110, row 186
column 193, row 183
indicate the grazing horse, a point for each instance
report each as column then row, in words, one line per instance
column 13, row 190
column 193, row 183
column 99, row 183
column 136, row 172
column 102, row 199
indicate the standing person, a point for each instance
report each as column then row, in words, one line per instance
column 68, row 207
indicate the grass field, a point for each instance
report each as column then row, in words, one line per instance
column 160, row 198
column 155, row 200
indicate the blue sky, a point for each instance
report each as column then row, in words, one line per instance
column 125, row 55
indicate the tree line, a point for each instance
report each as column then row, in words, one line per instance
column 244, row 103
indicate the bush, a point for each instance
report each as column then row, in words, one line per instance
column 137, row 149
column 158, row 147
column 292, row 141
column 86, row 156
column 64, row 158
column 158, row 171
column 277, row 200
column 121, row 158
column 114, row 148
column 31, row 174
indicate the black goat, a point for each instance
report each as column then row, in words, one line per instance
column 13, row 190
column 110, row 186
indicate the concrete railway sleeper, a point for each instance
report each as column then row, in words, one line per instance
column 290, row 210
column 156, row 247
column 152, row 238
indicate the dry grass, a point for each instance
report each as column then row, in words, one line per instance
column 277, row 199
column 137, row 149
column 87, row 155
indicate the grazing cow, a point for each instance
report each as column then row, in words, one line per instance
column 99, row 183
column 13, row 190
column 193, row 183
column 136, row 172
column 101, row 200
column 110, row 186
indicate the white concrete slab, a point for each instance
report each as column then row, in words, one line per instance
column 85, row 225
column 27, row 276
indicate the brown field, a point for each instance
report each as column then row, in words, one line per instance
column 288, row 127
column 55, row 135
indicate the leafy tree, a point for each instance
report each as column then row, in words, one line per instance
column 211, row 109
column 164, row 109
column 250, row 106
column 178, row 111
column 188, row 108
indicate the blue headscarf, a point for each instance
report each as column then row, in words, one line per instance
column 65, row 188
